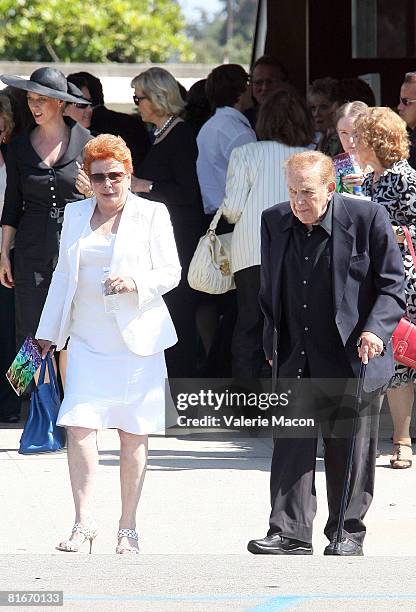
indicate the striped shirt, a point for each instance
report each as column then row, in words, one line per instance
column 255, row 181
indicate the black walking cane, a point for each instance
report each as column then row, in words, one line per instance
column 274, row 362
column 347, row 479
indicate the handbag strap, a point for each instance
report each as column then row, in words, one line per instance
column 409, row 243
column 215, row 220
column 47, row 363
column 41, row 378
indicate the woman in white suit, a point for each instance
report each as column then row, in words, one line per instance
column 256, row 181
column 117, row 258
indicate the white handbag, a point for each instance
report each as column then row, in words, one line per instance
column 210, row 267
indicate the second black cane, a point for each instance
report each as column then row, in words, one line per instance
column 348, row 471
column 274, row 362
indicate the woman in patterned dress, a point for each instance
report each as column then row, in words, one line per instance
column 382, row 142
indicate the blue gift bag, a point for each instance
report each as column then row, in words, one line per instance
column 41, row 434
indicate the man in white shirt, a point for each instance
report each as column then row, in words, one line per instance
column 229, row 96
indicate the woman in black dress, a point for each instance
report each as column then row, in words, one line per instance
column 9, row 402
column 168, row 175
column 41, row 173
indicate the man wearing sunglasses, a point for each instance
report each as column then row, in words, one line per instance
column 407, row 111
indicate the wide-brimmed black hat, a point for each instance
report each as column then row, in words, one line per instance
column 73, row 90
column 44, row 81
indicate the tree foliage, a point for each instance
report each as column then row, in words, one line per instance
column 209, row 35
column 94, row 31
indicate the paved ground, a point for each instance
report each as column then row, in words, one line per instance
column 202, row 501
column 216, row 583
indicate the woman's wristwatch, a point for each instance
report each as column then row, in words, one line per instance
column 150, row 187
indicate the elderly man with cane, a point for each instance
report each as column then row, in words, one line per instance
column 332, row 294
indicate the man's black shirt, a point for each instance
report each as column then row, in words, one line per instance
column 309, row 341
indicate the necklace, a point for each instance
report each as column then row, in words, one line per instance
column 159, row 131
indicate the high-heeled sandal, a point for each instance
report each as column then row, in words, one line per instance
column 128, row 533
column 89, row 531
column 402, row 456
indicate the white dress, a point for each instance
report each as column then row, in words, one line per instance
column 107, row 385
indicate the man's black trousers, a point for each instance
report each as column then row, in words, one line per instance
column 292, row 478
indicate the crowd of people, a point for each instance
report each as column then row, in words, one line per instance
column 225, row 145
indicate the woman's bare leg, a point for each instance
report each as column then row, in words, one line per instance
column 401, row 405
column 82, row 462
column 133, row 461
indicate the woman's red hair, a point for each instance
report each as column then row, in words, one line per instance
column 107, row 146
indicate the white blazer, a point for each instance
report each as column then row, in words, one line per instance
column 255, row 181
column 145, row 250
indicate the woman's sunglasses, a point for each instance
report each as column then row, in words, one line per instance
column 114, row 177
column 80, row 105
column 138, row 99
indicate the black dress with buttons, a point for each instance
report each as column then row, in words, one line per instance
column 35, row 198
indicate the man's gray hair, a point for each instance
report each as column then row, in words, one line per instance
column 307, row 159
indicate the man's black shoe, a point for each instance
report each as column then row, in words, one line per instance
column 347, row 548
column 279, row 545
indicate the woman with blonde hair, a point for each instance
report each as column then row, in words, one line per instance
column 116, row 259
column 168, row 175
column 345, row 118
column 382, row 142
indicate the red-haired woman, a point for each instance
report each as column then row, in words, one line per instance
column 122, row 246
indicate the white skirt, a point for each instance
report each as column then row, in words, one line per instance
column 113, row 390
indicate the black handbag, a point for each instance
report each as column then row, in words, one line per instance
column 41, row 434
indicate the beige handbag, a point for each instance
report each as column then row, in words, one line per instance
column 210, row 267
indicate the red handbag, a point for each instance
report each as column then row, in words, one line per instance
column 404, row 336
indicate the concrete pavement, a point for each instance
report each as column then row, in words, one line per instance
column 203, row 499
column 217, row 583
